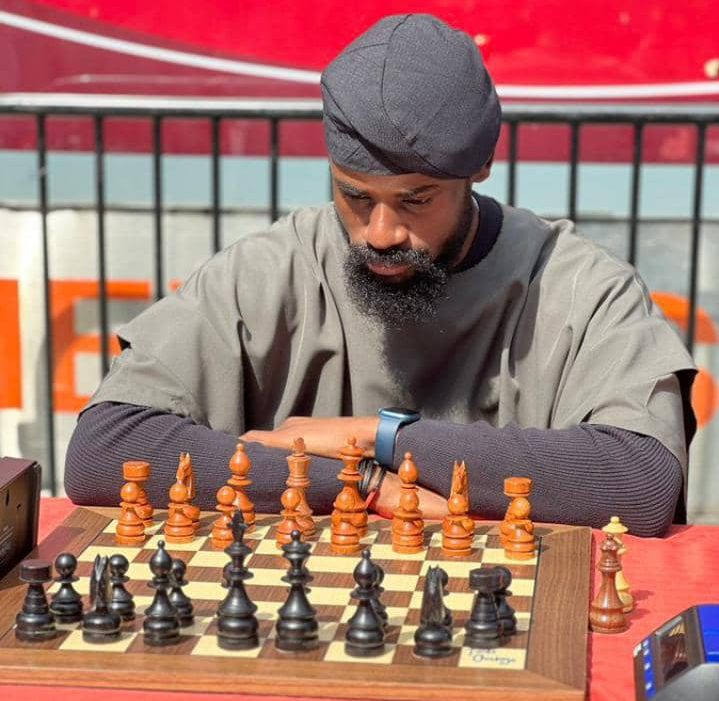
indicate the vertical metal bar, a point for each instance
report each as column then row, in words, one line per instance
column 636, row 180
column 157, row 178
column 49, row 338
column 696, row 230
column 215, row 185
column 274, row 164
column 512, row 165
column 573, row 163
column 101, row 266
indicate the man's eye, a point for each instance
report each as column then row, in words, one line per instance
column 356, row 198
column 417, row 202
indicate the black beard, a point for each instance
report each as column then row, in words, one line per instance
column 415, row 299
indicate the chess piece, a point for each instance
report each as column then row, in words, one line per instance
column 121, row 601
column 296, row 627
column 351, row 455
column 130, row 529
column 236, row 621
column 291, row 499
column 407, row 523
column 186, row 477
column 161, row 625
column 618, row 529
column 457, row 526
column 222, row 528
column 178, row 527
column 518, row 489
column 520, row 544
column 484, row 629
column 66, row 604
column 344, row 536
column 240, row 465
column 433, row 637
column 365, row 629
column 379, row 608
column 34, row 622
column 506, row 614
column 178, row 598
column 299, row 465
column 100, row 624
column 138, row 471
column 606, row 612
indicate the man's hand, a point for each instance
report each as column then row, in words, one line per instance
column 432, row 505
column 323, row 437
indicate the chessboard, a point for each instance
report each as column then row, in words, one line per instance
column 546, row 658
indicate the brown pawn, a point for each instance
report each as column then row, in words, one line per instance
column 606, row 613
column 138, row 471
column 351, row 455
column 130, row 528
column 520, row 544
column 222, row 528
column 519, row 509
column 290, row 499
column 240, row 465
column 407, row 523
column 186, row 477
column 299, row 465
column 178, row 527
column 345, row 537
column 457, row 526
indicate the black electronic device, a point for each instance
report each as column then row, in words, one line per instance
column 680, row 660
column 19, row 510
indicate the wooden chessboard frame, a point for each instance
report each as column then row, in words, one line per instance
column 556, row 666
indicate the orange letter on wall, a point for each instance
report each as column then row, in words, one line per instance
column 10, row 364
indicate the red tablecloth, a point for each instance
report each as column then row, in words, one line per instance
column 667, row 575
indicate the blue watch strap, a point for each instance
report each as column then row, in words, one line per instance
column 389, row 424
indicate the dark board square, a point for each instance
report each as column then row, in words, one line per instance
column 183, row 646
column 405, row 655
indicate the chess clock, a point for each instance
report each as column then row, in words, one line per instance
column 680, row 660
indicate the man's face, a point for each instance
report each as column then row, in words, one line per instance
column 406, row 232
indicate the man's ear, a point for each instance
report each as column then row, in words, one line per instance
column 483, row 174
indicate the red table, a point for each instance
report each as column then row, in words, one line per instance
column 666, row 574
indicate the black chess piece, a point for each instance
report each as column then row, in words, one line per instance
column 66, row 604
column 121, row 601
column 484, row 629
column 379, row 608
column 100, row 625
column 365, row 630
column 296, row 626
column 34, row 621
column 178, row 598
column 162, row 624
column 505, row 612
column 433, row 637
column 236, row 621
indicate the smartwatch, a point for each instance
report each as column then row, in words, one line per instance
column 391, row 420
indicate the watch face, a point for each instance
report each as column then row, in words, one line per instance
column 396, row 412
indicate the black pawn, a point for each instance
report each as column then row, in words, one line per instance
column 100, row 625
column 34, row 621
column 483, row 629
column 178, row 598
column 504, row 610
column 377, row 605
column 121, row 601
column 296, row 628
column 433, row 637
column 236, row 621
column 161, row 625
column 365, row 630
column 66, row 603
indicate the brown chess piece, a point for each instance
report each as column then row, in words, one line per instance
column 518, row 511
column 407, row 522
column 178, row 527
column 138, row 471
column 130, row 528
column 299, row 465
column 457, row 526
column 185, row 476
column 345, row 537
column 618, row 529
column 606, row 613
column 290, row 499
column 350, row 476
column 222, row 528
column 240, row 465
column 520, row 544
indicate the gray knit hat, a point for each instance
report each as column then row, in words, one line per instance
column 410, row 95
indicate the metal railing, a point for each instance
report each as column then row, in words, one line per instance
column 274, row 112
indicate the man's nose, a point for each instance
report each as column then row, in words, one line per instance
column 385, row 228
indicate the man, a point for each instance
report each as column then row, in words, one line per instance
column 524, row 348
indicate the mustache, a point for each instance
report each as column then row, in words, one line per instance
column 420, row 260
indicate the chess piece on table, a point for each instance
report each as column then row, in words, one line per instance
column 240, row 465
column 618, row 529
column 344, row 535
column 506, row 614
column 606, row 612
column 365, row 629
column 178, row 527
column 520, row 544
column 407, row 522
column 100, row 624
column 34, row 622
column 296, row 628
column 457, row 526
column 130, row 529
column 162, row 624
column 433, row 637
column 221, row 536
column 185, row 476
column 121, row 601
column 299, row 464
column 66, row 604
column 291, row 499
column 484, row 628
column 351, row 456
column 516, row 531
column 236, row 621
column 178, row 598
column 138, row 471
